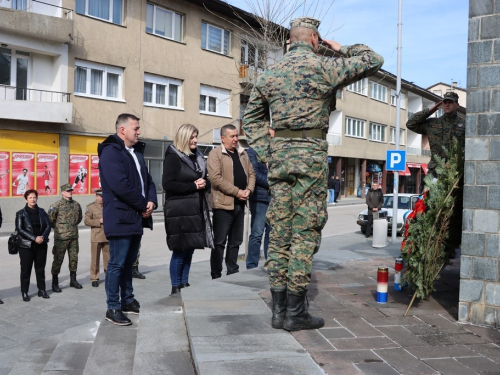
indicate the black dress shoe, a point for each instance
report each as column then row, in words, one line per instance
column 117, row 317
column 95, row 284
column 136, row 274
column 175, row 289
column 43, row 293
column 184, row 285
column 1, row 302
column 26, row 298
column 132, row 308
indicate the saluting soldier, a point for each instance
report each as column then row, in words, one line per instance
column 64, row 216
column 98, row 240
column 296, row 95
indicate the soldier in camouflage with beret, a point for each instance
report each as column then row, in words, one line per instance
column 64, row 216
column 297, row 95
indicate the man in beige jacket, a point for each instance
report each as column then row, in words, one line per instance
column 233, row 180
column 98, row 240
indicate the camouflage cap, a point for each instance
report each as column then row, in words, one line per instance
column 307, row 22
column 66, row 187
column 450, row 96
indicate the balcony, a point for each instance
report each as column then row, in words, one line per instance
column 38, row 19
column 35, row 105
column 334, row 139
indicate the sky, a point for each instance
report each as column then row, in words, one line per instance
column 434, row 33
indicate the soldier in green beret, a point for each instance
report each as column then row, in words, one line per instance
column 296, row 95
column 64, row 216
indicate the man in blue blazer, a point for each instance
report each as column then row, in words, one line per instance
column 129, row 197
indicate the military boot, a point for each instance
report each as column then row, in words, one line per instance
column 297, row 317
column 73, row 282
column 279, row 306
column 55, row 284
column 136, row 274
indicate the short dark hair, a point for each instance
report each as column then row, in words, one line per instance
column 25, row 169
column 123, row 118
column 28, row 192
column 225, row 128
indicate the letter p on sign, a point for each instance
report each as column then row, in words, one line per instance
column 396, row 160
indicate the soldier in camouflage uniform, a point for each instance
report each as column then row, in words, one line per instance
column 441, row 132
column 64, row 216
column 297, row 94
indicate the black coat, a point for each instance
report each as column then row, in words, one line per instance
column 25, row 231
column 187, row 220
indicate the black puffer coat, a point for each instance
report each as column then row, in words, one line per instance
column 187, row 220
column 25, row 231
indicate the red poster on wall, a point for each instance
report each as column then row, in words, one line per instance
column 4, row 174
column 23, row 172
column 78, row 172
column 46, row 174
column 95, row 181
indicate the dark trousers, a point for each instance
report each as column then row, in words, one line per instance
column 336, row 195
column 369, row 226
column 29, row 257
column 228, row 226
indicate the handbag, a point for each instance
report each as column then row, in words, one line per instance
column 12, row 244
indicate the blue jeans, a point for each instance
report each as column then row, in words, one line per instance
column 122, row 255
column 180, row 264
column 258, row 225
column 331, row 196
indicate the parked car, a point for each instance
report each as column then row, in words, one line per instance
column 405, row 206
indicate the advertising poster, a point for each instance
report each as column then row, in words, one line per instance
column 23, row 172
column 4, row 174
column 95, row 181
column 78, row 173
column 46, row 174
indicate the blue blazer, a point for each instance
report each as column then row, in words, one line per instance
column 261, row 193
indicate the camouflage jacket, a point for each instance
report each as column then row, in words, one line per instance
column 298, row 92
column 64, row 216
column 441, row 131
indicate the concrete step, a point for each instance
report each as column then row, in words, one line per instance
column 34, row 357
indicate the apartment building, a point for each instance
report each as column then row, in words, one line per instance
column 441, row 88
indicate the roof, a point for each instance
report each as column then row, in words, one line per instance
column 447, row 85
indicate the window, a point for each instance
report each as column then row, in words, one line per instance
column 163, row 22
column 107, row 10
column 354, row 128
column 14, row 71
column 98, row 81
column 358, row 87
column 378, row 91
column 162, row 92
column 215, row 39
column 214, row 101
column 394, row 97
column 439, row 112
column 252, row 55
column 401, row 136
column 377, row 132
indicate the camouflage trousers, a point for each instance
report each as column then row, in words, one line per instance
column 136, row 263
column 297, row 211
column 59, row 249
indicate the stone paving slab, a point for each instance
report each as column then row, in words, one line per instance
column 404, row 362
column 449, row 366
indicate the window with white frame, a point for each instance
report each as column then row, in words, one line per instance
column 215, row 39
column 162, row 92
column 394, row 98
column 377, row 132
column 439, row 112
column 354, row 127
column 251, row 54
column 378, row 91
column 107, row 10
column 163, row 22
column 98, row 81
column 15, row 71
column 401, row 136
column 359, row 87
column 214, row 101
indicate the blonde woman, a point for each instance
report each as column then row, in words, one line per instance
column 187, row 220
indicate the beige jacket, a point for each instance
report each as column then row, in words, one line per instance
column 93, row 216
column 220, row 173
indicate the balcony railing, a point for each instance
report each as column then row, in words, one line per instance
column 40, row 7
column 33, row 95
column 414, row 151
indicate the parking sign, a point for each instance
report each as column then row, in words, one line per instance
column 396, row 160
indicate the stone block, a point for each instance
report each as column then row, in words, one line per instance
column 494, row 197
column 476, row 148
column 473, row 29
column 489, row 76
column 489, row 25
column 479, row 52
column 470, row 173
column 494, row 153
column 481, row 8
column 467, row 220
column 473, row 244
column 486, row 221
column 465, row 267
column 471, row 125
column 496, row 49
column 471, row 77
column 492, row 292
column 488, row 124
column 482, row 314
column 471, row 291
column 492, row 245
column 484, row 269
column 475, row 196
column 463, row 311
column 487, row 172
column 495, row 101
